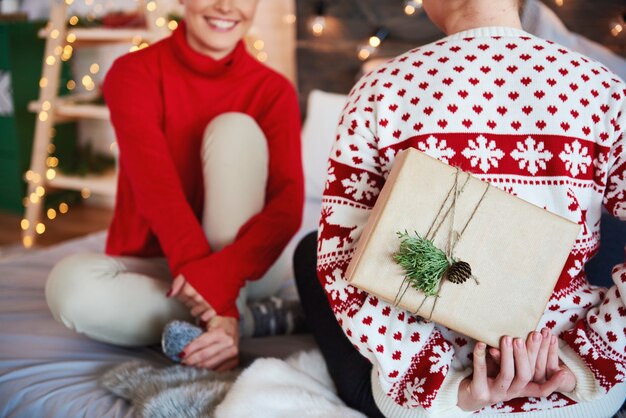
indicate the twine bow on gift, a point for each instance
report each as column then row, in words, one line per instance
column 426, row 267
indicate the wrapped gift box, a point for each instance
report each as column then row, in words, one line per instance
column 516, row 250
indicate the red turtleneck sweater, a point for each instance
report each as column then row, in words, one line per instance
column 161, row 99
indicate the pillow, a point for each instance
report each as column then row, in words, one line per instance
column 318, row 135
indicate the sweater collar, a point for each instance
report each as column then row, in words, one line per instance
column 488, row 31
column 201, row 63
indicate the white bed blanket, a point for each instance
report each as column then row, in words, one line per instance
column 297, row 387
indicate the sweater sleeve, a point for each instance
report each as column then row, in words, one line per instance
column 132, row 93
column 410, row 356
column 260, row 241
column 595, row 348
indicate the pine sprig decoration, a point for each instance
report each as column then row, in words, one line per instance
column 423, row 263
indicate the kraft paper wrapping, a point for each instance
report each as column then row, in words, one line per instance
column 516, row 250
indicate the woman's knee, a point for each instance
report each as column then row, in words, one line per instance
column 233, row 129
column 232, row 120
column 68, row 287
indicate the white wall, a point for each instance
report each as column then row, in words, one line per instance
column 275, row 24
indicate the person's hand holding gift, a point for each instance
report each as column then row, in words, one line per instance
column 518, row 368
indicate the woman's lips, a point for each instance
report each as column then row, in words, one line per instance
column 221, row 25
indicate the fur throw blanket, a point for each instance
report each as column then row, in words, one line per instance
column 268, row 388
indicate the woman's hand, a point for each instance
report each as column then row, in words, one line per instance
column 513, row 380
column 199, row 307
column 543, row 351
column 216, row 349
column 548, row 365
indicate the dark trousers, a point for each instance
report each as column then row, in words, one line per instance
column 348, row 368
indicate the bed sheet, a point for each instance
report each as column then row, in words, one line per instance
column 47, row 370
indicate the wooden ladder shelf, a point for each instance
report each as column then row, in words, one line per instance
column 52, row 109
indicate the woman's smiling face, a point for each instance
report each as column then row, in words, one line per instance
column 214, row 27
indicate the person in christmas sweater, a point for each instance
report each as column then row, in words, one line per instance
column 530, row 117
column 210, row 189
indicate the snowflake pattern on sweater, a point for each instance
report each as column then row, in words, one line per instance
column 530, row 117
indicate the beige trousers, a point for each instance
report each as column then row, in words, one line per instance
column 122, row 300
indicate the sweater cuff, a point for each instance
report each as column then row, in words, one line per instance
column 587, row 387
column 444, row 405
column 217, row 284
column 231, row 312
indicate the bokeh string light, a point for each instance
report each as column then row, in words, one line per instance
column 318, row 20
column 618, row 25
column 366, row 50
column 412, row 6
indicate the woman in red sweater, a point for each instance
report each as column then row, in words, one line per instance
column 210, row 189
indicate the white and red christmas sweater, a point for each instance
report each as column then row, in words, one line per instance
column 532, row 118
